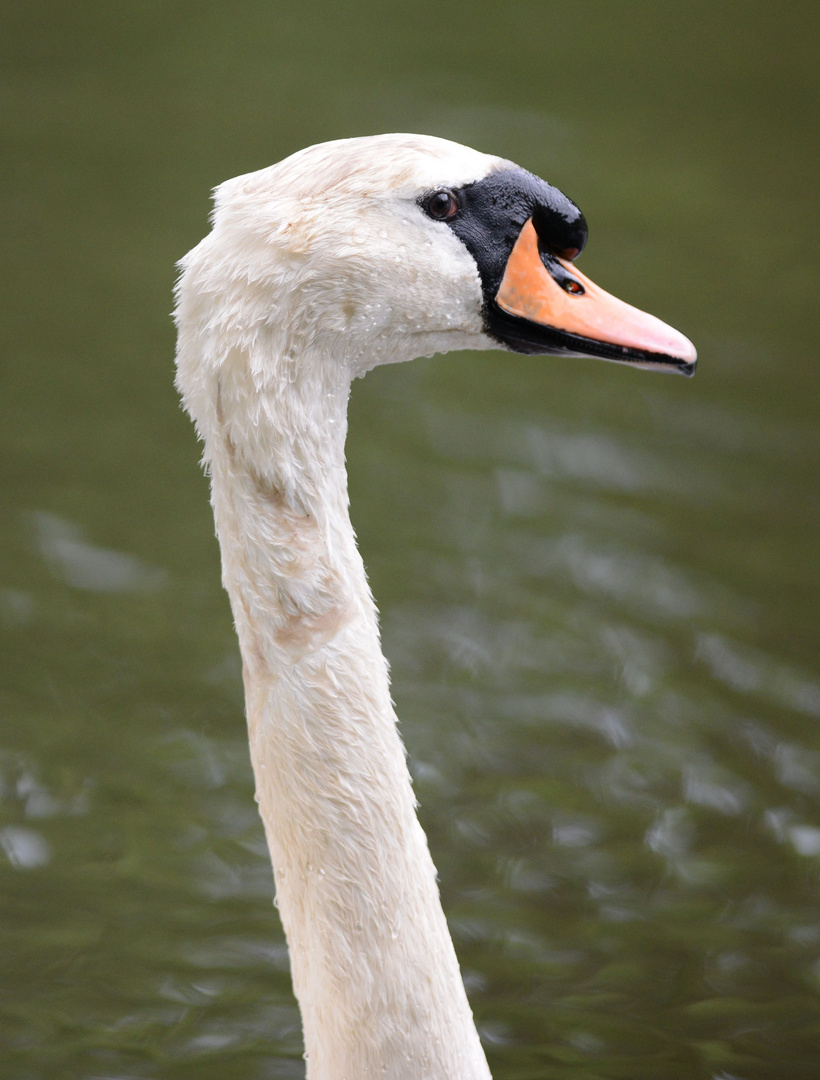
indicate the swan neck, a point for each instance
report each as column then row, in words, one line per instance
column 372, row 961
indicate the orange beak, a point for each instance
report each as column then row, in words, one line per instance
column 586, row 320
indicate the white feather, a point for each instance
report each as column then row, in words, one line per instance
column 315, row 270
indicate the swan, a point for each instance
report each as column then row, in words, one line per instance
column 347, row 255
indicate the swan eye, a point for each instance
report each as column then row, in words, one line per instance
column 441, row 205
column 575, row 288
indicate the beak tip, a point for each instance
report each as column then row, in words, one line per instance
column 683, row 351
column 689, row 358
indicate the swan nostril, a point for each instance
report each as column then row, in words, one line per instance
column 562, row 277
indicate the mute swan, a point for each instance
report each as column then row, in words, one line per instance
column 347, row 255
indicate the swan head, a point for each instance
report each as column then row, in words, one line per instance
column 372, row 250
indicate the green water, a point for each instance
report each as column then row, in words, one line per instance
column 598, row 585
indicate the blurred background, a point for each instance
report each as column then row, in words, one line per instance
column 598, row 585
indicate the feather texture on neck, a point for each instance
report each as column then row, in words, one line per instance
column 373, row 964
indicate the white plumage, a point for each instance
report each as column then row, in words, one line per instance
column 315, row 270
